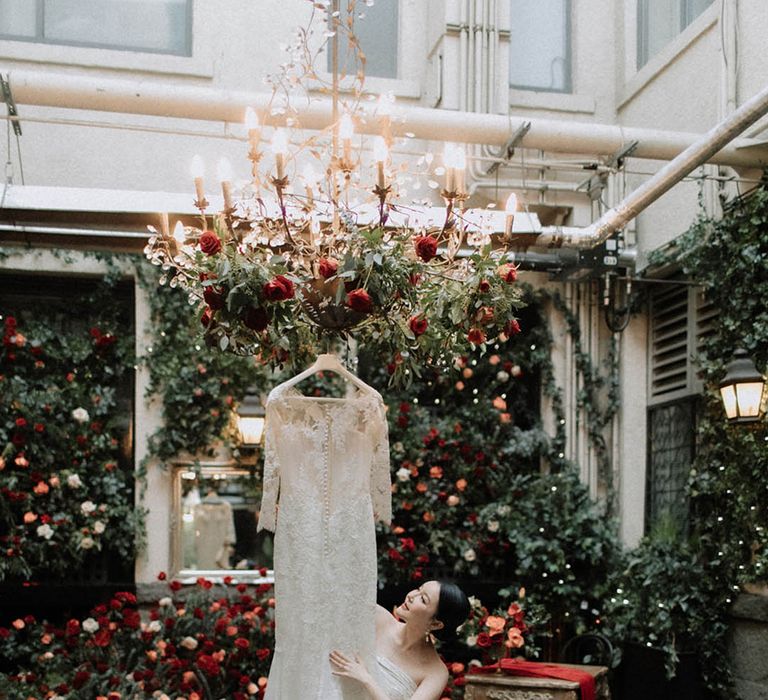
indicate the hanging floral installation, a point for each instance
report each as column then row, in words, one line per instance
column 293, row 261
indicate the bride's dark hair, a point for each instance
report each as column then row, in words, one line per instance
column 452, row 610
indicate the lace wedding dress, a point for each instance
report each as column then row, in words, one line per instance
column 327, row 463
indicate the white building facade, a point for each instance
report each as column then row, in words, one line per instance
column 593, row 97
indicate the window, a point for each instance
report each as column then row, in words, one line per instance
column 155, row 26
column 660, row 21
column 376, row 29
column 540, row 45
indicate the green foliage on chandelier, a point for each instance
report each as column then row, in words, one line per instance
column 386, row 289
column 66, row 474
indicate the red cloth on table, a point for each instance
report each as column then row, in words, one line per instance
column 536, row 669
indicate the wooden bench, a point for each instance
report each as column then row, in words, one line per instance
column 504, row 687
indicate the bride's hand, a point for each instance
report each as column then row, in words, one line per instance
column 349, row 668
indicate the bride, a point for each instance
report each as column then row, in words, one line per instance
column 408, row 665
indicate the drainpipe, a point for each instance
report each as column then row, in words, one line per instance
column 62, row 90
column 674, row 171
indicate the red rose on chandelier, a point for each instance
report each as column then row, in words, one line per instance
column 508, row 272
column 359, row 300
column 278, row 289
column 256, row 318
column 207, row 317
column 476, row 336
column 484, row 286
column 214, row 298
column 209, row 243
column 484, row 640
column 512, row 327
column 327, row 267
column 426, row 247
column 484, row 315
column 418, row 325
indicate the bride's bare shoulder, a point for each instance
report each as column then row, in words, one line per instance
column 384, row 617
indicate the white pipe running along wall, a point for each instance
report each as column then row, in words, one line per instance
column 63, row 90
column 674, row 171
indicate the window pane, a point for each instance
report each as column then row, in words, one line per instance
column 146, row 25
column 694, row 8
column 18, row 18
column 539, row 50
column 376, row 30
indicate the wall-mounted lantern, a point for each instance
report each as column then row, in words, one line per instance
column 743, row 390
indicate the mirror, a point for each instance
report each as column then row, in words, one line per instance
column 215, row 513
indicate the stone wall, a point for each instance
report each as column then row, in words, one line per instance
column 748, row 646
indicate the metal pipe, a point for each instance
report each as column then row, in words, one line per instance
column 674, row 171
column 162, row 99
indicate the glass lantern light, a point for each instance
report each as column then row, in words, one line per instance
column 251, row 421
column 743, row 390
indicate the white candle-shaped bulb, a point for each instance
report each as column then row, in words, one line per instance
column 280, row 149
column 510, row 208
column 346, row 131
column 179, row 234
column 252, row 125
column 225, row 177
column 449, row 161
column 460, row 159
column 197, row 169
column 380, row 155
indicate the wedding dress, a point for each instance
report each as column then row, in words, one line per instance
column 395, row 682
column 326, row 468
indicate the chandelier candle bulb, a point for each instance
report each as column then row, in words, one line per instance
column 346, row 130
column 252, row 125
column 179, row 234
column 280, row 148
column 450, row 167
column 510, row 208
column 225, row 177
column 197, row 169
column 380, row 155
column 461, row 168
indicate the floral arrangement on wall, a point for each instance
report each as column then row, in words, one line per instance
column 66, row 473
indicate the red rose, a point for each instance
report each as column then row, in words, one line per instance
column 10, row 324
column 21, row 422
column 263, row 654
column 105, row 341
column 484, row 315
column 484, row 640
column 418, row 325
column 512, row 327
column 80, row 679
column 209, row 243
column 207, row 317
column 73, row 628
column 278, row 289
column 39, row 427
column 359, row 300
column 484, row 286
column 327, row 267
column 242, row 643
column 476, row 336
column 102, row 638
column 214, row 298
column 508, row 272
column 426, row 247
column 256, row 318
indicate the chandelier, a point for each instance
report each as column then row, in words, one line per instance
column 321, row 247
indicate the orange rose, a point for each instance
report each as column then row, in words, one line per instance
column 514, row 638
column 461, row 484
column 495, row 624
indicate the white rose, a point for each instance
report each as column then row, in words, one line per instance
column 154, row 626
column 503, row 510
column 453, row 500
column 87, row 507
column 516, row 370
column 502, row 376
column 165, row 602
column 90, row 625
column 99, row 527
column 87, row 543
column 81, row 415
column 73, row 480
column 45, row 531
column 403, row 474
column 189, row 643
column 46, row 656
column 471, row 640
column 470, row 555
column 493, row 526
column 398, row 447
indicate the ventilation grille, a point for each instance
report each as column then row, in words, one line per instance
column 682, row 318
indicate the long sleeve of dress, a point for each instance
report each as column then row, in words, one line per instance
column 271, row 478
column 381, row 482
